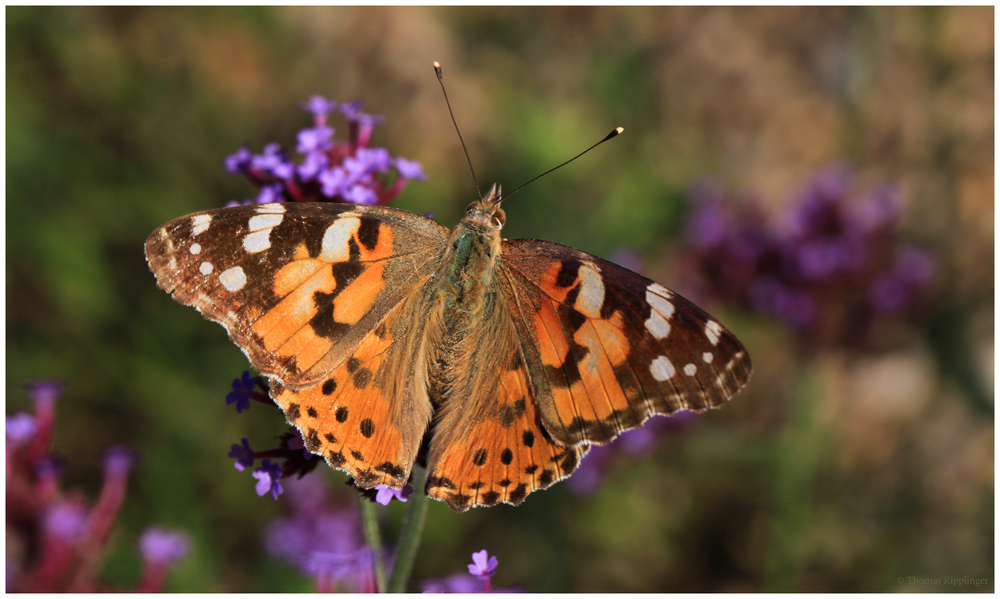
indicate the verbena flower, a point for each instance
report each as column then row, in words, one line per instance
column 243, row 455
column 329, row 170
column 160, row 549
column 384, row 494
column 58, row 540
column 483, row 565
column 322, row 541
column 268, row 479
column 830, row 266
column 243, row 389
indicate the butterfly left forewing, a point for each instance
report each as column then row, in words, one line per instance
column 297, row 285
column 606, row 348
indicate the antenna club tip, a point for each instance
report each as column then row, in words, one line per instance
column 437, row 65
column 619, row 130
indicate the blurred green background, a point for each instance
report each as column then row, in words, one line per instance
column 839, row 472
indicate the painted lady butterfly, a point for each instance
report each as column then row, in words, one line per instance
column 379, row 329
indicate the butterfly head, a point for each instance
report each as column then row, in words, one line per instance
column 487, row 210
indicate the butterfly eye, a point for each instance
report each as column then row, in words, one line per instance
column 470, row 209
column 499, row 219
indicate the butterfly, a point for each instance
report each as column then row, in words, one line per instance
column 381, row 330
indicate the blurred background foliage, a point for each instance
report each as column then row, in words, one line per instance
column 834, row 470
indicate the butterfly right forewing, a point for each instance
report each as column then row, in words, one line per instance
column 606, row 348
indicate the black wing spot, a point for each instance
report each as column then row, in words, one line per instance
column 368, row 233
column 341, row 414
column 293, row 411
column 490, row 497
column 569, row 462
column 366, row 479
column 362, row 377
column 568, row 272
column 391, row 469
column 477, row 485
column 480, row 458
column 440, row 481
column 312, row 412
column 330, row 438
column 459, row 500
column 506, row 416
column 329, row 387
column 312, row 440
column 531, row 469
column 352, row 364
column 546, row 477
column 358, row 455
column 517, row 495
column 337, row 458
column 528, row 438
column 367, row 428
column 506, row 456
column 504, row 483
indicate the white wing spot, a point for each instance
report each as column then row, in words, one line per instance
column 661, row 368
column 658, row 323
column 258, row 241
column 200, row 223
column 690, row 369
column 275, row 208
column 336, row 240
column 233, row 279
column 591, row 296
column 265, row 221
column 206, row 268
column 173, row 263
column 707, row 357
column 195, row 248
column 713, row 330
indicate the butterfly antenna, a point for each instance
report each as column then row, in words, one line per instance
column 614, row 133
column 437, row 70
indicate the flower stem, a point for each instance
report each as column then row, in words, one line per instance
column 409, row 538
column 370, row 525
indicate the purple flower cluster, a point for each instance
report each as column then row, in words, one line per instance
column 321, row 540
column 329, row 171
column 830, row 266
column 54, row 539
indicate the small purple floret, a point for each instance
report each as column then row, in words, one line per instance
column 268, row 476
column 65, row 521
column 118, row 461
column 20, row 427
column 319, row 106
column 317, row 139
column 239, row 161
column 161, row 546
column 240, row 395
column 242, row 454
column 385, row 494
column 483, row 565
column 410, row 169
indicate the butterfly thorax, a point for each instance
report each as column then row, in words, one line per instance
column 464, row 291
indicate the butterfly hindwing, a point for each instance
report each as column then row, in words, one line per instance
column 489, row 445
column 297, row 285
column 369, row 416
column 606, row 348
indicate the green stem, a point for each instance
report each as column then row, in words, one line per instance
column 409, row 538
column 370, row 524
